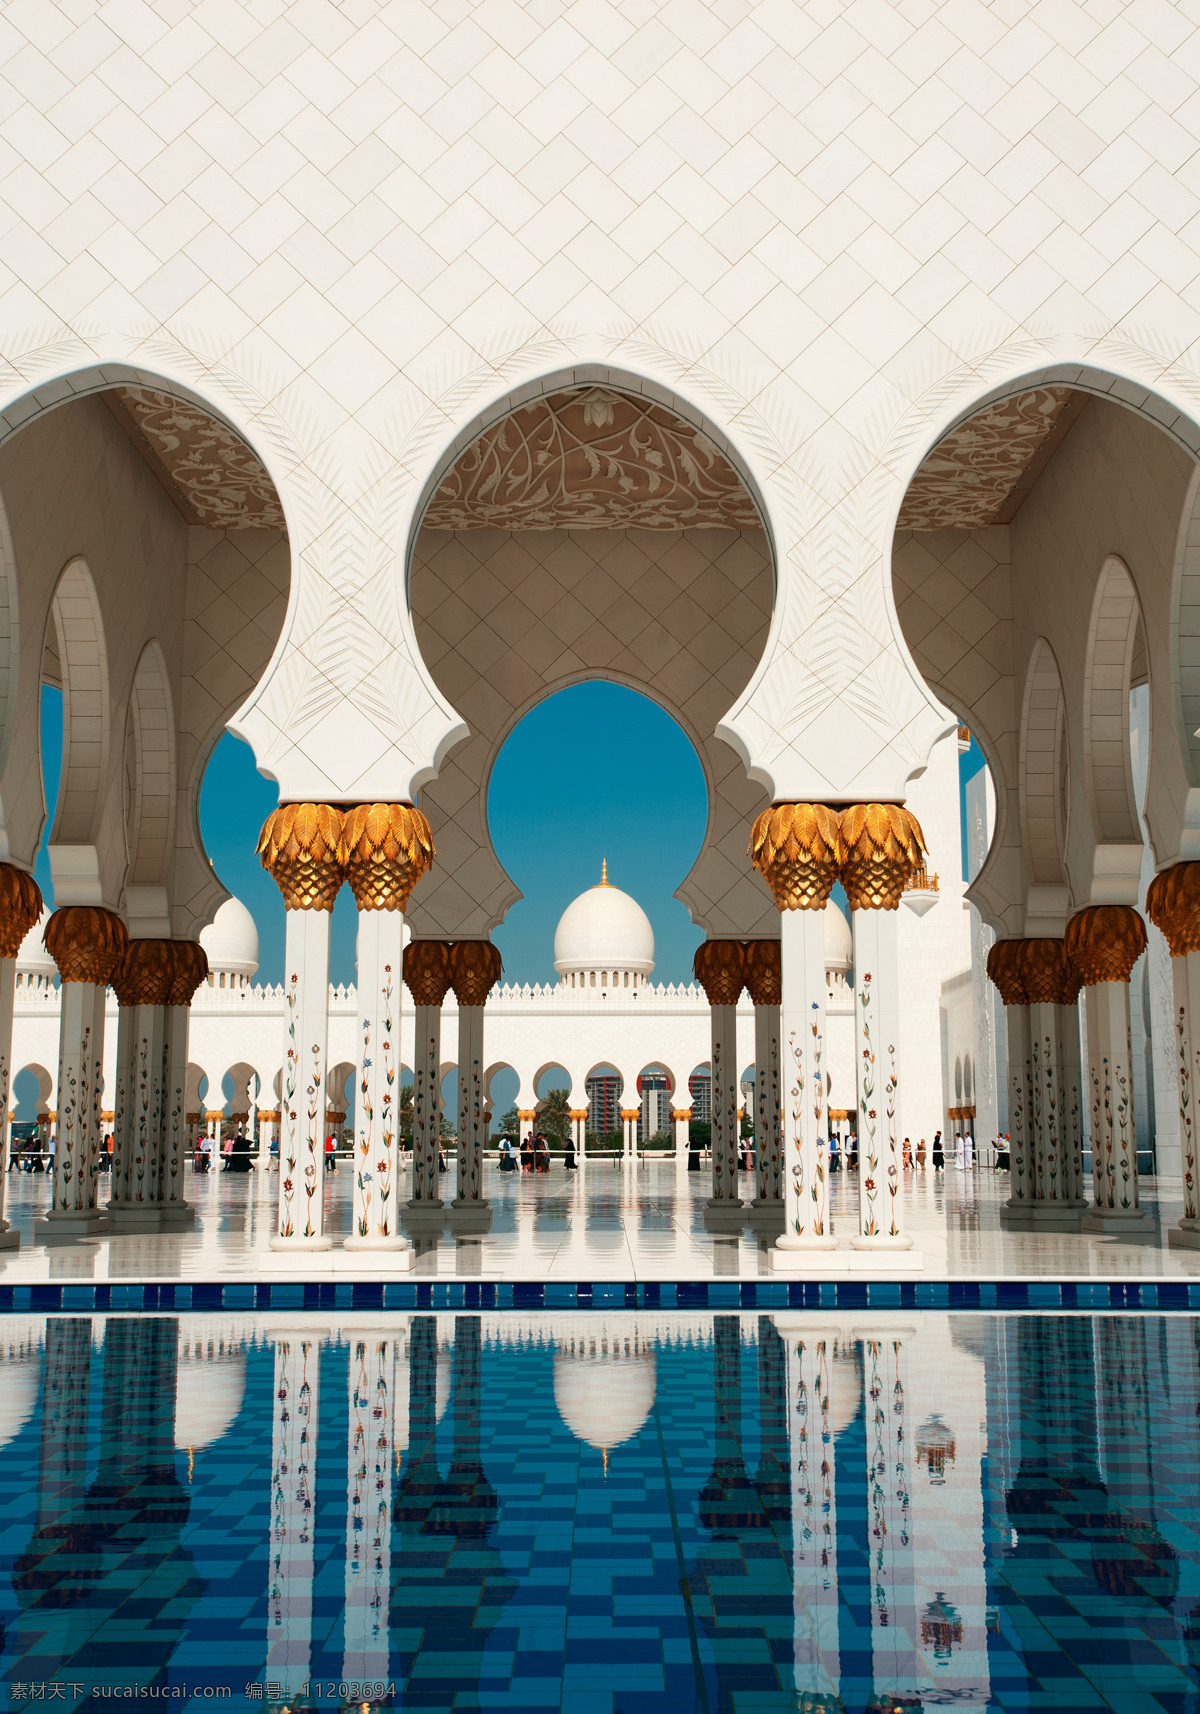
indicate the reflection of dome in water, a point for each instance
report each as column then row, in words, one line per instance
column 19, row 1376
column 604, row 935
column 603, row 1399
column 208, row 1394
column 231, row 942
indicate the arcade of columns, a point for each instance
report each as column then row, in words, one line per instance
column 801, row 849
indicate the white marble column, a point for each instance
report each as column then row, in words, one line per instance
column 376, row 1221
column 475, row 968
column 897, row 1669
column 86, row 943
column 802, row 1091
column 877, row 1059
column 427, row 977
column 629, row 1119
column 810, row 1427
column 142, row 983
column 293, row 1506
column 373, row 1375
column 768, row 1155
column 526, row 1117
column 301, row 1224
column 191, row 970
column 719, row 967
column 1103, row 943
column 20, row 908
column 681, row 1118
column 1173, row 905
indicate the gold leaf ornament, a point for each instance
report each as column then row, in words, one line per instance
column 386, row 848
column 764, row 972
column 143, row 976
column 300, row 847
column 427, row 971
column 20, row 907
column 1005, row 971
column 797, row 849
column 720, row 968
column 1104, row 942
column 475, row 968
column 191, row 969
column 1049, row 976
column 86, row 942
column 882, row 847
column 1173, row 905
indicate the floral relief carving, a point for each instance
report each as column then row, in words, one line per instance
column 967, row 479
column 216, row 479
column 592, row 459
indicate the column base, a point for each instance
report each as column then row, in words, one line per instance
column 766, row 1213
column 300, row 1246
column 470, row 1216
column 882, row 1241
column 724, row 1216
column 1046, row 1216
column 1185, row 1236
column 1112, row 1219
column 820, row 1260
column 370, row 1261
column 377, row 1246
column 178, row 1217
column 62, row 1228
column 135, row 1216
column 9, row 1240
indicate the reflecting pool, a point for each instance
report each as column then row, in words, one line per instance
column 602, row 1512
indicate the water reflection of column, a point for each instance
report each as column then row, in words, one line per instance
column 293, row 1506
column 896, row 1666
column 814, row 1518
column 373, row 1374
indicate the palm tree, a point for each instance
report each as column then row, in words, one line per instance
column 554, row 1114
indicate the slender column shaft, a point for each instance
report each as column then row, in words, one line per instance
column 896, row 1666
column 293, row 1508
column 877, row 1034
column 726, row 1098
column 377, row 1109
column 768, row 1173
column 176, row 1028
column 1110, row 1093
column 1020, row 1049
column 77, row 1130
column 470, row 1106
column 810, row 1429
column 427, row 1105
column 1185, row 980
column 1071, row 1083
column 681, row 1118
column 802, row 1030
column 138, row 1116
column 302, row 1119
column 9, row 1240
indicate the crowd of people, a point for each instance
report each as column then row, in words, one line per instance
column 532, row 1154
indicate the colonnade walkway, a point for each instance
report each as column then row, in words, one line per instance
column 609, row 1222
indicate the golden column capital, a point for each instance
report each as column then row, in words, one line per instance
column 882, row 848
column 427, row 971
column 527, row 1114
column 1049, row 976
column 681, row 1112
column 579, row 1113
column 300, row 848
column 1005, row 971
column 475, row 968
column 87, row 942
column 20, row 907
column 1104, row 942
column 385, row 849
column 1173, row 905
column 145, row 974
column 764, row 972
column 631, row 1112
column 191, row 969
column 720, row 968
column 797, row 849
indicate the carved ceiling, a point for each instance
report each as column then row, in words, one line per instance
column 209, row 473
column 980, row 473
column 591, row 459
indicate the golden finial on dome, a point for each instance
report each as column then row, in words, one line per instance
column 604, row 871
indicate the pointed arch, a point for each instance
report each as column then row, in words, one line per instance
column 1108, row 679
column 1044, row 771
column 78, row 636
column 150, row 772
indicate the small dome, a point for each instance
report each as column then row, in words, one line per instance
column 839, row 942
column 231, row 940
column 605, row 930
column 208, row 1396
column 604, row 1400
column 32, row 958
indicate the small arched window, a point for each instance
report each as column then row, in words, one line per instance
column 593, row 978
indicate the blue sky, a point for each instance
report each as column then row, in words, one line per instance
column 594, row 772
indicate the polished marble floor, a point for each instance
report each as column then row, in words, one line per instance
column 603, row 1513
column 607, row 1222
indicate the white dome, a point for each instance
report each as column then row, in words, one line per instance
column 231, row 940
column 839, row 942
column 208, row 1396
column 604, row 930
column 604, row 1400
column 32, row 958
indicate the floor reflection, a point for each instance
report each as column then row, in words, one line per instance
column 604, row 1511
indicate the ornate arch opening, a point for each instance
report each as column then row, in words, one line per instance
column 1113, row 643
column 76, row 636
column 1044, row 791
